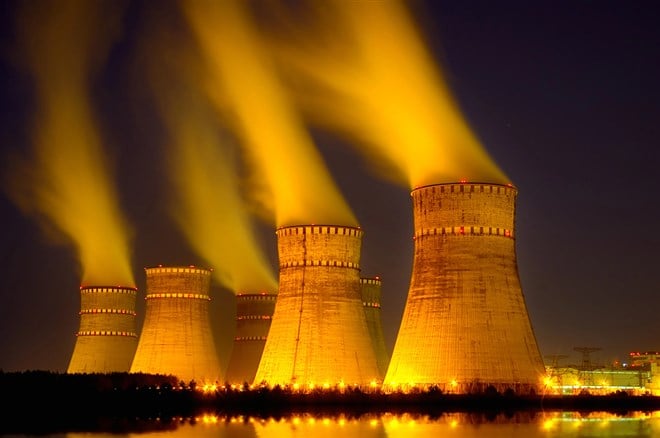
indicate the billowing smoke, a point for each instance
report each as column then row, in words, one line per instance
column 66, row 183
column 289, row 179
column 368, row 73
column 206, row 201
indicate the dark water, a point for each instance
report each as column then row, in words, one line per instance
column 463, row 425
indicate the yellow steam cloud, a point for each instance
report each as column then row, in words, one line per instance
column 206, row 204
column 67, row 183
column 209, row 208
column 296, row 186
column 380, row 83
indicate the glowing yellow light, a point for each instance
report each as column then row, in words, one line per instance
column 373, row 383
column 326, row 385
column 209, row 419
column 548, row 424
column 296, row 386
column 342, row 385
column 295, row 420
column 453, row 424
column 209, row 387
column 341, row 422
column 326, row 422
column 373, row 422
column 453, row 383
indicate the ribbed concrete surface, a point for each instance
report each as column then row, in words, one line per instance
column 107, row 337
column 370, row 289
column 319, row 331
column 176, row 335
column 254, row 313
column 465, row 325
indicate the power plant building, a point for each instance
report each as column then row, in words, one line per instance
column 370, row 289
column 107, row 339
column 319, row 333
column 176, row 336
column 254, row 313
column 465, row 325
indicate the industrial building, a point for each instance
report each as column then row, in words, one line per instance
column 370, row 289
column 176, row 337
column 107, row 338
column 319, row 334
column 254, row 313
column 465, row 326
column 639, row 375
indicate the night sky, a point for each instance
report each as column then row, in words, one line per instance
column 565, row 97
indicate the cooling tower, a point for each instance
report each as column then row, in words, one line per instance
column 254, row 313
column 176, row 334
column 319, row 332
column 370, row 291
column 107, row 339
column 465, row 325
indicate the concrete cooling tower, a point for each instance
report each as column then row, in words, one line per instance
column 465, row 325
column 176, row 334
column 254, row 313
column 107, row 338
column 370, row 290
column 319, row 333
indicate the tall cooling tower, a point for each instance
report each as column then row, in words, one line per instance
column 370, row 290
column 176, row 334
column 465, row 325
column 319, row 332
column 107, row 339
column 254, row 313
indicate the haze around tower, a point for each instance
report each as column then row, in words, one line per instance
column 67, row 182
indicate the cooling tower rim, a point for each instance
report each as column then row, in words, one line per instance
column 465, row 183
column 371, row 280
column 101, row 286
column 353, row 230
column 319, row 225
column 186, row 268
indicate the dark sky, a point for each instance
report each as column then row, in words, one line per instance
column 563, row 94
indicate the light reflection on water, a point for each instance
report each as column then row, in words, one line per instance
column 463, row 425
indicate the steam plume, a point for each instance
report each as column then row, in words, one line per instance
column 207, row 203
column 377, row 81
column 295, row 185
column 66, row 183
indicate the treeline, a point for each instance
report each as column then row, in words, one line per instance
column 44, row 401
column 95, row 393
column 48, row 402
